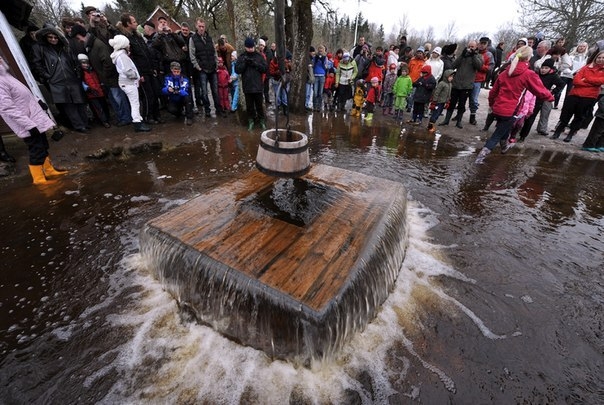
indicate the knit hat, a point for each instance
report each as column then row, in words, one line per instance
column 119, row 42
column 392, row 66
column 234, row 54
column 311, row 49
column 261, row 42
column 523, row 40
column 421, row 49
column 174, row 65
column 437, row 50
column 374, row 80
column 549, row 62
column 82, row 57
column 427, row 69
column 78, row 30
column 249, row 42
column 485, row 39
column 149, row 23
column 329, row 56
column 346, row 55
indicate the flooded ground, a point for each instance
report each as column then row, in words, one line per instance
column 500, row 298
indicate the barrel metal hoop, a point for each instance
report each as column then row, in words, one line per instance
column 284, row 151
column 275, row 173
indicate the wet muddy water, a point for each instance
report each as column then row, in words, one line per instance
column 500, row 298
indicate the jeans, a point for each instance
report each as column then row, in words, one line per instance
column 120, row 104
column 308, row 101
column 502, row 131
column 318, row 92
column 280, row 92
column 204, row 79
column 474, row 97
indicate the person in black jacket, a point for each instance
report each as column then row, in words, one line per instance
column 203, row 58
column 250, row 67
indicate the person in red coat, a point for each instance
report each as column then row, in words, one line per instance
column 507, row 97
column 582, row 97
column 223, row 86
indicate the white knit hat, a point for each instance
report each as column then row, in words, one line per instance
column 437, row 50
column 82, row 57
column 234, row 54
column 119, row 42
column 261, row 42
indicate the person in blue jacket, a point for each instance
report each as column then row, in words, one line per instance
column 178, row 89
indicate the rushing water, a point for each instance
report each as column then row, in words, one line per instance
column 500, row 298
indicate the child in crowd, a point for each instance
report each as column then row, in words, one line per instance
column 402, row 88
column 424, row 86
column 329, row 90
column 128, row 79
column 177, row 88
column 223, row 86
column 525, row 110
column 94, row 91
column 358, row 99
column 440, row 97
column 373, row 97
column 234, row 83
column 387, row 89
column 553, row 82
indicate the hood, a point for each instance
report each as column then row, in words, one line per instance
column 448, row 73
column 41, row 36
column 427, row 69
column 114, row 55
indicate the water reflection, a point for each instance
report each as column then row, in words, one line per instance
column 511, row 248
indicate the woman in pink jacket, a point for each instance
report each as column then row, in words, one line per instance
column 22, row 113
column 507, row 97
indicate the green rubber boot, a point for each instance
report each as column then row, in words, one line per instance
column 250, row 124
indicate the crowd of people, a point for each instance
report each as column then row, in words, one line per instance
column 126, row 74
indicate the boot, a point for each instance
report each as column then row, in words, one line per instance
column 473, row 119
column 37, row 173
column 354, row 112
column 250, row 124
column 390, row 111
column 262, row 124
column 384, row 111
column 396, row 113
column 558, row 131
column 431, row 127
column 369, row 117
column 483, row 154
column 458, row 123
column 141, row 127
column 50, row 171
column 570, row 135
column 447, row 118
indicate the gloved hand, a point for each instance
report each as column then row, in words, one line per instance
column 34, row 131
column 43, row 105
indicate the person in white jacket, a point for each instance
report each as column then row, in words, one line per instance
column 128, row 79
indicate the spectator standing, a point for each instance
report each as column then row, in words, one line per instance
column 94, row 91
column 203, row 57
column 310, row 79
column 578, row 57
column 436, row 63
column 98, row 55
column 22, row 113
column 56, row 69
column 187, row 67
column 488, row 61
column 345, row 74
column 223, row 87
column 101, row 28
column 387, row 89
column 250, row 68
column 466, row 65
column 171, row 46
column 128, row 79
column 146, row 67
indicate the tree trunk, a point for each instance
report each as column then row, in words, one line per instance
column 301, row 39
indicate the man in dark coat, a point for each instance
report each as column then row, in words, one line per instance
column 250, row 67
column 203, row 58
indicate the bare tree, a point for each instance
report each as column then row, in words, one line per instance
column 573, row 19
column 509, row 36
column 51, row 11
column 450, row 32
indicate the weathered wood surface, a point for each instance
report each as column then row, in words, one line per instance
column 309, row 264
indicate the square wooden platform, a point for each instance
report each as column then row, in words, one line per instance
column 274, row 263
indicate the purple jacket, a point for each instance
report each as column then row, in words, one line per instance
column 19, row 108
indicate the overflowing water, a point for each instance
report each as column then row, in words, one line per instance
column 500, row 297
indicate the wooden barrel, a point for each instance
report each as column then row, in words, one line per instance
column 283, row 157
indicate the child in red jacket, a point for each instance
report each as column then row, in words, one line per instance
column 373, row 97
column 94, row 91
column 329, row 90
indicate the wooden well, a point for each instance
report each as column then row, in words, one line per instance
column 283, row 153
column 293, row 267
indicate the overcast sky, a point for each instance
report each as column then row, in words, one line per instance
column 469, row 15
